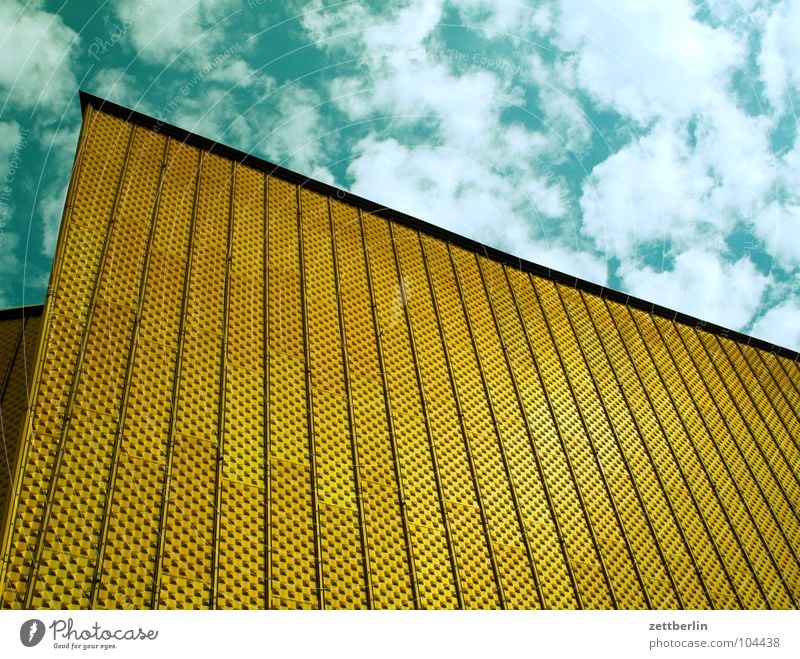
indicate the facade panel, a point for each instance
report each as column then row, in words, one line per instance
column 254, row 391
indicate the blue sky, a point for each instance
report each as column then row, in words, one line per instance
column 648, row 146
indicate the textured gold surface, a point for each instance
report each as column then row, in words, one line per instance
column 251, row 395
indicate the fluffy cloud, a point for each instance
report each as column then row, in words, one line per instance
column 780, row 324
column 778, row 227
column 646, row 59
column 35, row 56
column 163, row 31
column 473, row 172
column 459, row 193
column 702, row 284
column 779, row 59
column 649, row 190
column 498, row 18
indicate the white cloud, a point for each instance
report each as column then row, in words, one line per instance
column 59, row 145
column 780, row 325
column 667, row 185
column 702, row 284
column 778, row 226
column 472, row 172
column 649, row 190
column 294, row 136
column 35, row 56
column 457, row 192
column 162, row 31
column 115, row 85
column 646, row 59
column 779, row 59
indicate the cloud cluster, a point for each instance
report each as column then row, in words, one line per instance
column 648, row 146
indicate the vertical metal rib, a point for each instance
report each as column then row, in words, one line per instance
column 223, row 390
column 727, row 468
column 362, row 522
column 612, row 429
column 431, row 442
column 387, row 400
column 702, row 464
column 163, row 513
column 73, row 390
column 498, row 435
column 763, row 420
column 582, row 500
column 517, row 506
column 746, row 365
column 757, row 376
column 529, row 431
column 673, row 454
column 126, row 388
column 648, row 452
column 593, row 450
column 15, row 487
column 312, row 447
column 266, row 316
column 464, row 434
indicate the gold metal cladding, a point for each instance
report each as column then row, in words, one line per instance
column 247, row 392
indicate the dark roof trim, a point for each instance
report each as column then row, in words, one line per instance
column 370, row 206
column 21, row 312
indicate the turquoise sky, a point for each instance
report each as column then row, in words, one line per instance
column 648, row 146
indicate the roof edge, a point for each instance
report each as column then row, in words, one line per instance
column 415, row 223
column 14, row 313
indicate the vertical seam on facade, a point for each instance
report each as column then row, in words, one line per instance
column 76, row 377
column 592, row 447
column 431, row 442
column 766, row 425
column 678, row 464
column 531, row 441
column 129, row 368
column 310, row 408
column 267, row 362
column 725, row 464
column 15, row 486
column 364, row 531
column 387, row 398
column 462, row 426
column 582, row 501
column 498, row 434
column 698, row 456
column 613, row 431
column 524, row 417
column 223, row 398
column 793, row 381
column 724, row 461
column 170, row 449
column 643, row 442
column 560, row 435
column 778, row 389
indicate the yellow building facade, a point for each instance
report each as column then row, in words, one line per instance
column 247, row 389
